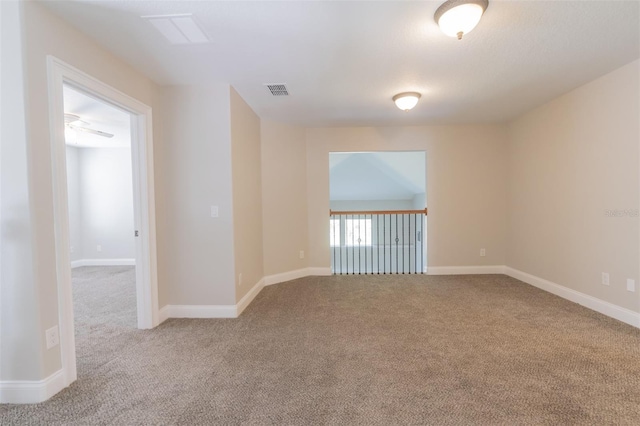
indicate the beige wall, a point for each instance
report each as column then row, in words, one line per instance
column 45, row 35
column 247, row 194
column 198, row 264
column 567, row 163
column 284, row 197
column 21, row 348
column 570, row 161
column 466, row 187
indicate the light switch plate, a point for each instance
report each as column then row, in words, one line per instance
column 631, row 284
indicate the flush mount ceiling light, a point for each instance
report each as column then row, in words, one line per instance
column 407, row 100
column 458, row 17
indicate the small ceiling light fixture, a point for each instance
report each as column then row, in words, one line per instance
column 407, row 100
column 458, row 17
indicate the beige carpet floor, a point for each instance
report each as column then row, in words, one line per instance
column 364, row 350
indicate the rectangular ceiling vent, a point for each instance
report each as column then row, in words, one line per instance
column 178, row 29
column 278, row 89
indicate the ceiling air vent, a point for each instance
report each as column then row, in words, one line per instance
column 278, row 89
column 178, row 29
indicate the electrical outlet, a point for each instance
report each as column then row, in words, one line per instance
column 301, row 254
column 483, row 252
column 631, row 284
column 98, row 248
column 605, row 278
column 214, row 211
column 52, row 337
column 239, row 279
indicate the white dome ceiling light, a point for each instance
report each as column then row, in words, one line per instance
column 458, row 17
column 407, row 100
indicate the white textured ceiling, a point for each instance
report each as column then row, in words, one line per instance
column 343, row 61
column 99, row 116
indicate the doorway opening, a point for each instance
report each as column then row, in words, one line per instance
column 101, row 225
column 378, row 211
column 104, row 209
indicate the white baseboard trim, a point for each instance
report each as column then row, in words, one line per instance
column 319, row 271
column 598, row 305
column 465, row 270
column 163, row 314
column 234, row 311
column 294, row 275
column 210, row 311
column 202, row 311
column 248, row 298
column 286, row 276
column 31, row 392
column 103, row 262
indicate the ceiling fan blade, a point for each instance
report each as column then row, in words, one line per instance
column 92, row 131
column 74, row 119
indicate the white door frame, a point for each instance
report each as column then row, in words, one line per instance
column 60, row 73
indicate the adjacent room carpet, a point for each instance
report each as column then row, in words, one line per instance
column 369, row 350
column 104, row 306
